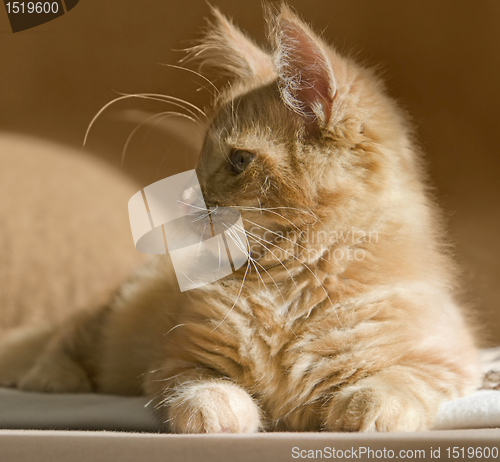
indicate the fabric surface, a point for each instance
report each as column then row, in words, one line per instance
column 51, row 446
column 22, row 410
column 83, row 411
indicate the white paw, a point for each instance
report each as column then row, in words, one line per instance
column 213, row 407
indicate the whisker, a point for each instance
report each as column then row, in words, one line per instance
column 236, row 301
column 222, row 149
column 270, row 209
column 195, row 73
column 160, row 116
column 311, row 271
column 280, row 262
column 260, row 203
column 201, row 216
column 255, row 262
column 173, row 328
column 170, row 99
column 286, row 238
column 252, row 261
column 149, row 96
column 193, row 206
column 241, row 246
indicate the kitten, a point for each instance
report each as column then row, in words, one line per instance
column 343, row 318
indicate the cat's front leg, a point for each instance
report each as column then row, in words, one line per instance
column 198, row 401
column 394, row 399
column 211, row 406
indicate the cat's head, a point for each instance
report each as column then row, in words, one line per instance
column 300, row 136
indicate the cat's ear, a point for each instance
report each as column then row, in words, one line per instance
column 306, row 77
column 228, row 51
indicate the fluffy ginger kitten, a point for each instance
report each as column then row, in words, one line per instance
column 342, row 320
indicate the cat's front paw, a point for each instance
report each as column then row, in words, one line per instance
column 213, row 407
column 378, row 404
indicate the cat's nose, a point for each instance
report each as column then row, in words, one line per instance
column 187, row 207
column 191, row 201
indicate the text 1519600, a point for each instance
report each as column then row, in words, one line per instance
column 32, row 7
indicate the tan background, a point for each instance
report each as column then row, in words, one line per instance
column 441, row 58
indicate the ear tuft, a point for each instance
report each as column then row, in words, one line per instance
column 228, row 51
column 306, row 78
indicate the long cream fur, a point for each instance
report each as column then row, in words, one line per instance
column 343, row 319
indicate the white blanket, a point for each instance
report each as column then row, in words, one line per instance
column 22, row 410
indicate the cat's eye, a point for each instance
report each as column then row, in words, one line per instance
column 239, row 160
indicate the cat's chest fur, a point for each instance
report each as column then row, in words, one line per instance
column 274, row 340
